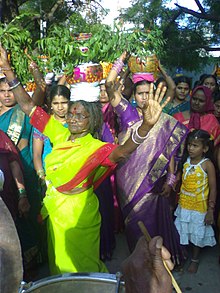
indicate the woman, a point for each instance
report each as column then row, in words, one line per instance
column 200, row 115
column 13, row 189
column 141, row 180
column 59, row 101
column 180, row 102
column 76, row 165
column 16, row 125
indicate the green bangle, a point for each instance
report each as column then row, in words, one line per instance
column 21, row 193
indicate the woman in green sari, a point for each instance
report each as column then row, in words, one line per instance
column 77, row 164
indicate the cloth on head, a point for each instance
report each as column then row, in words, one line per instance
column 102, row 81
column 140, row 76
column 49, row 78
column 194, row 122
column 88, row 92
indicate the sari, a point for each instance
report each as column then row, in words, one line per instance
column 140, row 179
column 8, row 154
column 73, row 220
column 16, row 125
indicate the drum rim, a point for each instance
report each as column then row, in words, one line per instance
column 109, row 278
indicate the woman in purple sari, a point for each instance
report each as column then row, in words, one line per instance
column 146, row 178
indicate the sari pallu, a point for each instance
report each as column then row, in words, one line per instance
column 16, row 124
column 141, row 177
column 73, row 220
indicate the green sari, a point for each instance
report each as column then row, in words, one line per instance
column 73, row 219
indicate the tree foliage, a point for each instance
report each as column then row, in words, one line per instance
column 190, row 35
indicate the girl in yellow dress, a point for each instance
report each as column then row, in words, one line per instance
column 194, row 214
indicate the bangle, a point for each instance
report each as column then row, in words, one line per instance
column 5, row 69
column 211, row 204
column 14, row 86
column 171, row 179
column 136, row 138
column 21, row 193
column 13, row 82
column 32, row 111
column 41, row 173
column 117, row 66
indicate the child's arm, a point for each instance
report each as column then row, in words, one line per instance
column 210, row 170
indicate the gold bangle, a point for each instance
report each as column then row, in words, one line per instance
column 32, row 111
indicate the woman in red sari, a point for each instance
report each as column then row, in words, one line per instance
column 200, row 115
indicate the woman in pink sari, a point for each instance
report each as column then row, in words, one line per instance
column 200, row 115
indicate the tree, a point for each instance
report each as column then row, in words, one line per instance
column 189, row 35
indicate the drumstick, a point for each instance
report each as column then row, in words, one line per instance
column 148, row 238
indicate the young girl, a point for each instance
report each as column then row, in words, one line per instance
column 194, row 214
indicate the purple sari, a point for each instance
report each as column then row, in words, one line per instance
column 140, row 179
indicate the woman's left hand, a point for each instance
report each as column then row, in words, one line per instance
column 4, row 63
column 209, row 217
column 166, row 190
column 152, row 108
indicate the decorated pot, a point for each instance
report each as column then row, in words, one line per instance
column 106, row 66
column 148, row 64
column 87, row 72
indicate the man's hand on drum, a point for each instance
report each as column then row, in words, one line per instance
column 144, row 270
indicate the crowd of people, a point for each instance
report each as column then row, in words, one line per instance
column 79, row 164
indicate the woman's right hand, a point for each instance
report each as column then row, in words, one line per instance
column 152, row 108
column 4, row 63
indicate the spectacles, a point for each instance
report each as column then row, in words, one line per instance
column 77, row 116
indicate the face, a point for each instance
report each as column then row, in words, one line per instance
column 198, row 102
column 7, row 99
column 103, row 94
column 210, row 83
column 182, row 91
column 196, row 149
column 59, row 105
column 141, row 95
column 217, row 109
column 78, row 119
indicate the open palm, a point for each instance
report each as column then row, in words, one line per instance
column 152, row 109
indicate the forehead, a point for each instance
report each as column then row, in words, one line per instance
column 4, row 85
column 143, row 88
column 183, row 85
column 195, row 141
column 209, row 80
column 77, row 107
column 59, row 99
column 102, row 87
column 200, row 94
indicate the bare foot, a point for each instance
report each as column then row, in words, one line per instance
column 193, row 267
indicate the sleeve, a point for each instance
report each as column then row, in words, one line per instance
column 50, row 127
column 127, row 115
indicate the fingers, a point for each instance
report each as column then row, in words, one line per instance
column 166, row 102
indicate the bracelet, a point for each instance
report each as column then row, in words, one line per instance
column 136, row 138
column 13, row 82
column 41, row 173
column 14, row 86
column 118, row 65
column 171, row 179
column 22, row 193
column 5, row 69
column 211, row 204
column 32, row 111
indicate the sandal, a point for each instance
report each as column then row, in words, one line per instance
column 193, row 267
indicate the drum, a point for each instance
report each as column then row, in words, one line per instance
column 77, row 283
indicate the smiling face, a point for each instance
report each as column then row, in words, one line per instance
column 59, row 106
column 182, row 91
column 7, row 98
column 141, row 94
column 78, row 120
column 198, row 102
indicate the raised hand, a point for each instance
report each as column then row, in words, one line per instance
column 4, row 63
column 152, row 109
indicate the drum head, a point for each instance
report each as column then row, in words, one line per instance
column 74, row 283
